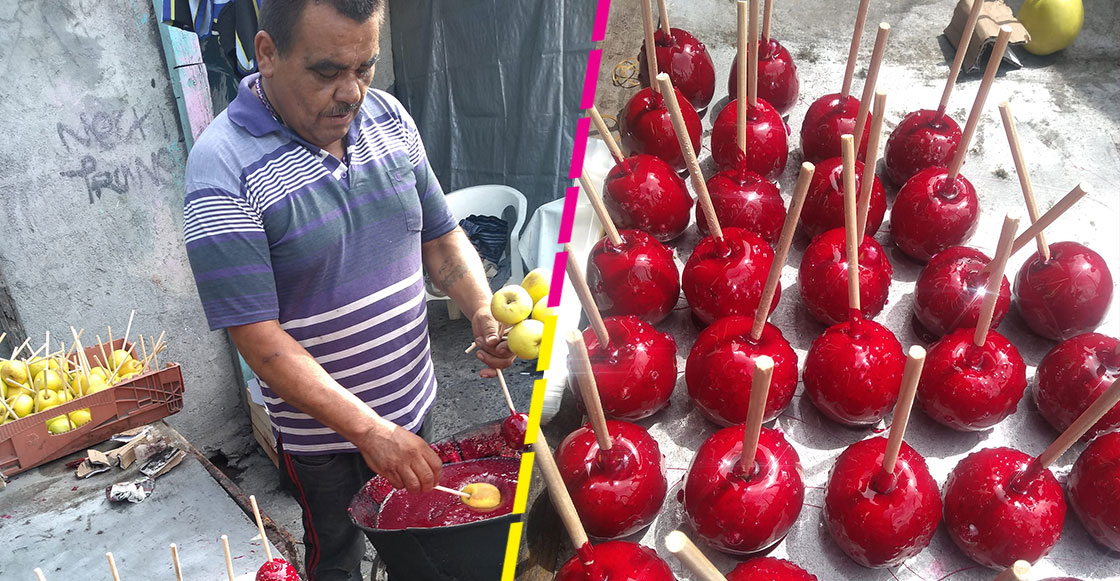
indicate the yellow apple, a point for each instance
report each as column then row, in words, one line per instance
column 15, row 372
column 80, row 417
column 536, row 282
column 1053, row 24
column 511, row 304
column 14, row 390
column 541, row 310
column 525, row 338
column 36, row 364
column 95, row 384
column 23, row 404
column 48, row 379
column 59, row 425
column 58, row 364
column 118, row 358
column 47, row 399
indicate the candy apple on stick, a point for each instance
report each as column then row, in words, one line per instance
column 1094, row 486
column 644, row 122
column 824, row 267
column 834, row 114
column 750, row 136
column 721, row 363
column 635, row 365
column 629, row 271
column 744, row 489
column 1073, row 374
column 610, row 561
column 684, row 58
column 1002, row 505
column 757, row 569
column 777, row 75
column 643, row 192
column 742, row 198
column 724, row 275
column 272, row 569
column 612, row 469
column 516, row 423
column 938, row 208
column 928, row 138
column 853, row 369
column 974, row 378
column 881, row 505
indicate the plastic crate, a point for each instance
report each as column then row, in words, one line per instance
column 26, row 443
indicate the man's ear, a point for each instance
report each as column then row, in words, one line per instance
column 267, row 54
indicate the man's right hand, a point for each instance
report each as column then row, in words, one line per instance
column 401, row 457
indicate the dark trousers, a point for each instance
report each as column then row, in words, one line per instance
column 323, row 485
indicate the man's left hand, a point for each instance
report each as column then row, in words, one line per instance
column 493, row 350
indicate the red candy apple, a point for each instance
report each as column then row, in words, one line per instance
column 853, row 371
column 824, row 206
column 767, row 148
column 643, row 192
column 931, row 213
column 720, row 368
column 513, row 430
column 1072, row 376
column 923, row 139
column 742, row 512
column 824, row 278
column 972, row 388
column 777, row 76
column 950, row 290
column 1066, row 296
column 616, row 561
column 726, row 277
column 645, row 127
column 636, row 278
column 744, row 199
column 615, row 491
column 637, row 371
column 826, row 120
column 277, row 570
column 687, row 62
column 1094, row 486
column 991, row 521
column 881, row 528
column 769, row 569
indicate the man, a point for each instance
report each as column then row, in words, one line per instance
column 309, row 212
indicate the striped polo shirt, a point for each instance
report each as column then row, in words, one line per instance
column 276, row 228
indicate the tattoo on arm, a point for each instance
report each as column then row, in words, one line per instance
column 450, row 272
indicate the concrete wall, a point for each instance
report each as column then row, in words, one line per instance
column 91, row 188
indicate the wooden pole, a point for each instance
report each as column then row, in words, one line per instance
column 684, row 549
column 991, row 290
column 1024, row 174
column 767, row 10
column 585, row 377
column 958, row 59
column 561, row 500
column 978, row 105
column 612, row 145
column 851, row 243
column 505, row 391
column 260, row 527
column 741, row 75
column 600, row 209
column 651, row 45
column 867, row 181
column 871, row 80
column 175, row 562
column 685, row 142
column 586, row 300
column 229, row 560
column 756, row 411
column 663, row 14
column 853, row 51
column 113, row 567
column 915, row 360
column 752, row 74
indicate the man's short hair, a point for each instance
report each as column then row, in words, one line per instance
column 278, row 17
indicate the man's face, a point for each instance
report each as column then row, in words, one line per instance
column 318, row 85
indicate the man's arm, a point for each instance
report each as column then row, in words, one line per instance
column 403, row 458
column 455, row 268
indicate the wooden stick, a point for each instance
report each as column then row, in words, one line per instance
column 853, row 51
column 991, row 290
column 1024, row 175
column 1079, row 191
column 752, row 74
column 113, row 567
column 175, row 562
column 260, row 527
column 3, row 336
column 915, row 360
column 143, row 349
column 104, row 357
column 741, row 75
column 651, row 45
column 229, row 560
column 109, row 330
column 871, row 80
column 1019, row 570
column 767, row 10
column 612, row 145
column 451, row 491
column 1069, row 437
column 22, row 346
column 871, row 159
column 124, row 344
column 685, row 142
column 958, row 60
column 684, row 549
column 561, row 500
column 39, row 574
column 781, row 252
column 505, row 391
column 663, row 13
column 978, row 105
column 503, row 332
column 157, row 349
column 851, row 243
column 586, row 300
column 585, row 377
column 756, row 410
column 600, row 209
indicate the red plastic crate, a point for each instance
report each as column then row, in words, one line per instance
column 26, row 443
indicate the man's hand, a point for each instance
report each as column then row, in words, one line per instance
column 492, row 349
column 401, row 457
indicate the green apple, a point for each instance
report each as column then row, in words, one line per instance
column 48, row 399
column 23, row 404
column 1052, row 24
column 525, row 339
column 511, row 304
column 541, row 310
column 536, row 282
column 59, row 425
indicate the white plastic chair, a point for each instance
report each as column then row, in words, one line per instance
column 489, row 200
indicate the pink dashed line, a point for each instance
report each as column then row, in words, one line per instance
column 579, row 147
column 557, row 279
column 601, row 14
column 592, row 78
column 568, row 217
